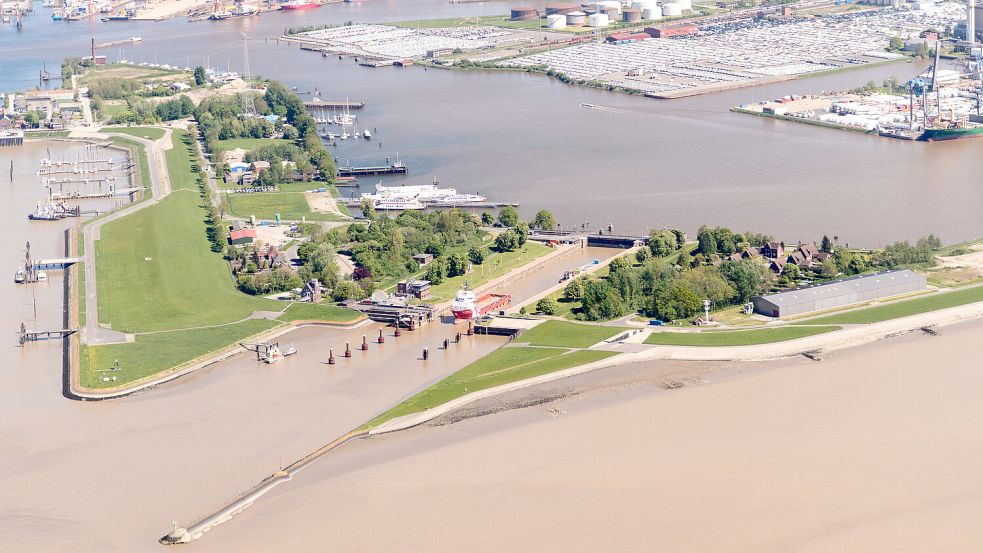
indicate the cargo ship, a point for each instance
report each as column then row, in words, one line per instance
column 467, row 306
column 952, row 133
column 300, row 5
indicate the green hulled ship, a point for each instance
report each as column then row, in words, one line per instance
column 952, row 133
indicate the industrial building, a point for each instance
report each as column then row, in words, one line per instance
column 839, row 293
column 681, row 29
column 627, row 38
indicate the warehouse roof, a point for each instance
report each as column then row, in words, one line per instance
column 859, row 283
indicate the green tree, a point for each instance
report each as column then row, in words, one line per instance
column 619, row 264
column 544, row 220
column 200, row 77
column 662, row 242
column 706, row 241
column 345, row 290
column 522, row 232
column 367, row 207
column 508, row 216
column 547, row 306
column 676, row 301
column 896, row 43
column 708, row 284
column 436, row 272
column 457, row 264
column 507, row 241
column 828, row 269
column 744, row 276
column 826, row 245
column 600, row 302
column 476, row 254
column 790, row 274
column 32, row 119
column 487, row 219
column 575, row 289
column 643, row 255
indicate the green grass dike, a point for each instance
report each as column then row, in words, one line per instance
column 150, row 133
column 721, row 338
column 903, row 308
column 570, row 335
column 156, row 272
column 503, row 366
column 291, row 206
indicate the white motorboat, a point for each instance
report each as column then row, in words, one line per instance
column 390, row 203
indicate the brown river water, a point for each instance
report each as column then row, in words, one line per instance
column 111, row 476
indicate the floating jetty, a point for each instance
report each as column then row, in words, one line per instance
column 93, row 195
column 39, row 335
column 328, row 104
column 397, row 168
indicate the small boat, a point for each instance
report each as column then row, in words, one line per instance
column 20, row 276
column 274, row 354
column 136, row 39
column 366, row 134
column 42, row 276
column 585, row 105
column 300, row 5
column 46, row 212
column 344, row 136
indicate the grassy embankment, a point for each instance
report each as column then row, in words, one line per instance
column 503, row 366
column 571, row 335
column 719, row 338
column 156, row 273
column 557, row 349
column 150, row 133
column 903, row 308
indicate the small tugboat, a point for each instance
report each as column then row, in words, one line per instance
column 20, row 276
column 274, row 354
column 366, row 134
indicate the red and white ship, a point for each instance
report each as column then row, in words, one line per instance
column 467, row 305
column 300, row 5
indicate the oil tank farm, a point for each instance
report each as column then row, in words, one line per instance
column 556, row 21
column 612, row 13
column 672, row 10
column 652, row 13
column 633, row 15
column 524, row 13
column 838, row 293
column 598, row 20
column 561, row 8
column 600, row 7
column 576, row 19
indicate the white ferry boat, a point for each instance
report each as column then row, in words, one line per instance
column 397, row 204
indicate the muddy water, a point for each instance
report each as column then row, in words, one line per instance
column 874, row 449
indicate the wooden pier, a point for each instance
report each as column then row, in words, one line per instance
column 26, row 336
column 331, row 104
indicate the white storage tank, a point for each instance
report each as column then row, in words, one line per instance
column 556, row 21
column 600, row 7
column 652, row 13
column 577, row 19
column 643, row 4
column 672, row 10
column 598, row 20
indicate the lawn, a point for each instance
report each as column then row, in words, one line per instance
column 736, row 337
column 179, row 163
column 570, row 335
column 138, row 153
column 495, row 265
column 503, row 366
column 904, row 308
column 292, row 206
column 151, row 133
column 318, row 312
column 109, row 111
column 247, row 143
column 153, row 353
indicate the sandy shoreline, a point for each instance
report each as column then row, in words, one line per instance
column 873, row 448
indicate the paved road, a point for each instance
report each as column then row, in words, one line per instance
column 161, row 185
